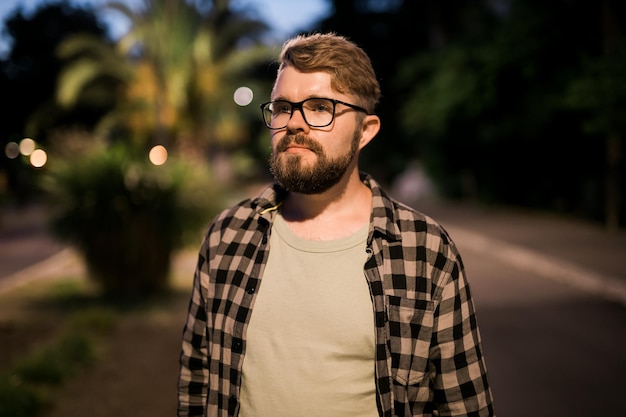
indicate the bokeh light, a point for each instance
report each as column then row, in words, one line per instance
column 38, row 158
column 243, row 96
column 27, row 146
column 158, row 155
column 12, row 150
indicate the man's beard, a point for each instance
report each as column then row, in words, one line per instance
column 324, row 174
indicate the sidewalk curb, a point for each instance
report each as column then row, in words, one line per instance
column 63, row 262
column 611, row 288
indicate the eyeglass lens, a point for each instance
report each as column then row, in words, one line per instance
column 317, row 112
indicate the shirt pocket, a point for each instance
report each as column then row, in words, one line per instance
column 410, row 330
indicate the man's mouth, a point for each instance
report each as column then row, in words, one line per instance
column 293, row 147
column 297, row 144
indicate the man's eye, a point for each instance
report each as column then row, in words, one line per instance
column 279, row 108
column 321, row 106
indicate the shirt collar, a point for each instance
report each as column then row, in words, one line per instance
column 384, row 215
column 383, row 219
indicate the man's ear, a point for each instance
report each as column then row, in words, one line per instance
column 369, row 129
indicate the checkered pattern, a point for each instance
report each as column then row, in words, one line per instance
column 429, row 358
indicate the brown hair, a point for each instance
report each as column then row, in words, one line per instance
column 349, row 66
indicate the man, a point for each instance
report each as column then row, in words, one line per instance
column 322, row 296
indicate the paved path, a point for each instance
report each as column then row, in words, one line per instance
column 24, row 239
column 568, row 250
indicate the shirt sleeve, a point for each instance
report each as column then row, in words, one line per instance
column 460, row 383
column 193, row 375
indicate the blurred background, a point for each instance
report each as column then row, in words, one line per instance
column 511, row 102
column 126, row 125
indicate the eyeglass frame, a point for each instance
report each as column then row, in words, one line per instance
column 298, row 106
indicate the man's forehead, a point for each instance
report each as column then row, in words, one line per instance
column 295, row 85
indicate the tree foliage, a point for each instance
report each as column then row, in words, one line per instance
column 178, row 67
column 28, row 76
column 512, row 102
column 31, row 69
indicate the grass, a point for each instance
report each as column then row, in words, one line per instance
column 52, row 330
column 72, row 333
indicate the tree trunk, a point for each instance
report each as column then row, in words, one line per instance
column 612, row 30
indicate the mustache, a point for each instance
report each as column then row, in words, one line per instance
column 298, row 139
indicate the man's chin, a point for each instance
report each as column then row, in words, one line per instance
column 298, row 162
column 302, row 158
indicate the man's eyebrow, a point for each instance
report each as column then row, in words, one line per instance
column 282, row 98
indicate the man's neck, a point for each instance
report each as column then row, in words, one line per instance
column 335, row 213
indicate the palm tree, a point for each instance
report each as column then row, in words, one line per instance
column 179, row 66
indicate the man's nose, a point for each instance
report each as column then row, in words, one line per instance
column 297, row 122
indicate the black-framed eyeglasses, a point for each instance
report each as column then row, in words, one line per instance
column 316, row 112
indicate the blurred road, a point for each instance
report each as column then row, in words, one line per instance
column 27, row 250
column 550, row 295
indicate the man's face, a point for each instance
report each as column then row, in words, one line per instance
column 311, row 160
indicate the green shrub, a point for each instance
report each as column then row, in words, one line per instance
column 126, row 216
column 53, row 364
column 94, row 320
column 29, row 385
column 17, row 399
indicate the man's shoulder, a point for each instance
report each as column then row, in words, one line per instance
column 404, row 220
column 397, row 217
column 406, row 215
column 247, row 209
column 241, row 210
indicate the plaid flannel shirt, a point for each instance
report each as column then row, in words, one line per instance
column 429, row 360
